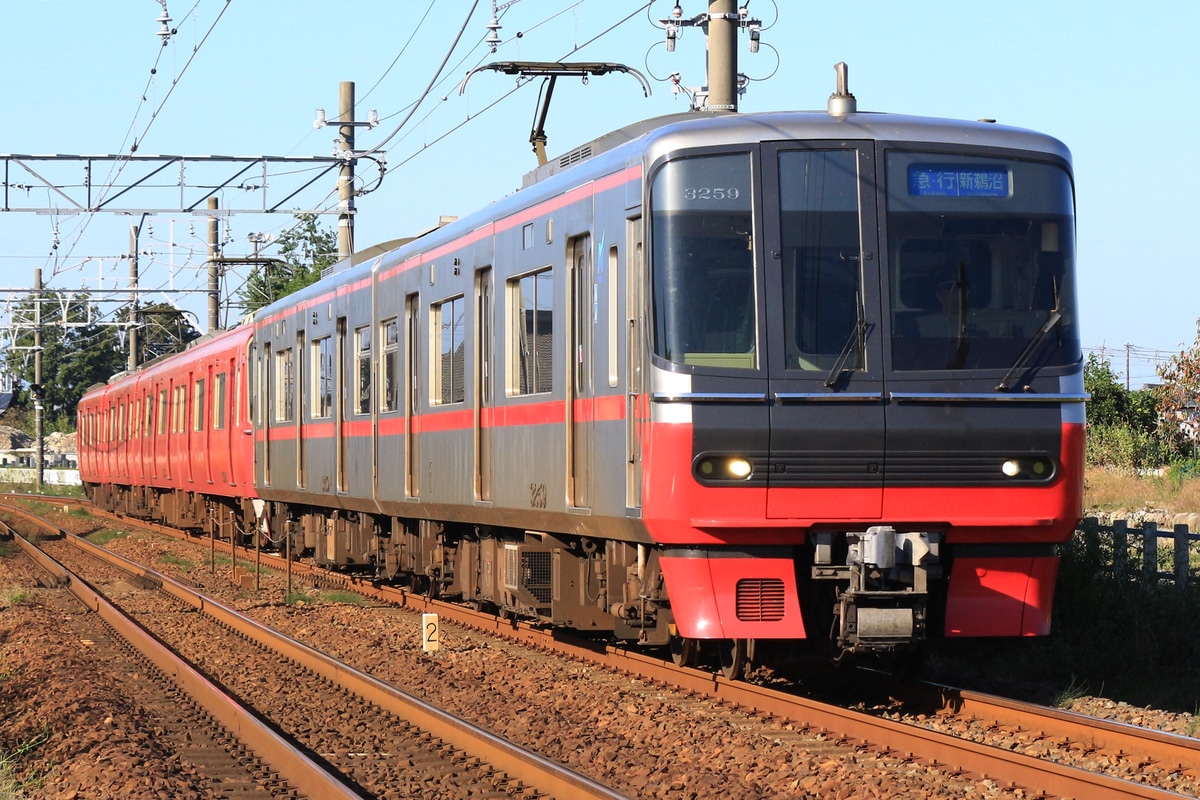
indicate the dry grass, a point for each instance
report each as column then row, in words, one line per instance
column 1114, row 490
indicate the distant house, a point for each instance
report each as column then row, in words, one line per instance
column 59, row 450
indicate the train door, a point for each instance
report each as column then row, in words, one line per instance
column 296, row 392
column 484, row 355
column 580, row 393
column 635, row 392
column 264, row 408
column 825, row 377
column 412, row 398
column 341, row 441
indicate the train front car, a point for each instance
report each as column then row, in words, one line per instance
column 866, row 394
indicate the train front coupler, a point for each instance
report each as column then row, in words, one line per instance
column 883, row 586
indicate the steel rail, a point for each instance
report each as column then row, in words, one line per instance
column 1167, row 749
column 301, row 772
column 932, row 747
column 516, row 761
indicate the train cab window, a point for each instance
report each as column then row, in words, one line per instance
column 218, row 400
column 322, row 377
column 285, row 386
column 705, row 310
column 822, row 277
column 449, row 346
column 980, row 261
column 362, row 351
column 389, row 363
column 531, row 335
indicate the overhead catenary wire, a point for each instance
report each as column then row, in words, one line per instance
column 119, row 167
column 188, row 275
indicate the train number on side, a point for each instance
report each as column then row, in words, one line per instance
column 537, row 495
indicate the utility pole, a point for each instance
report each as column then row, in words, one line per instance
column 345, row 156
column 134, row 232
column 722, row 55
column 346, row 173
column 1127, row 349
column 214, row 268
column 38, row 391
column 720, row 25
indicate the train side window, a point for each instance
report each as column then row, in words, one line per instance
column 531, row 333
column 389, row 397
column 285, row 377
column 178, row 416
column 162, row 412
column 322, row 377
column 449, row 343
column 218, row 421
column 198, row 398
column 362, row 349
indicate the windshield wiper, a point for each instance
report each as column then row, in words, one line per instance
column 1050, row 323
column 855, row 338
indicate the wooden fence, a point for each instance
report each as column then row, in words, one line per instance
column 1149, row 545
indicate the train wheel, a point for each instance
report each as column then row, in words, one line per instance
column 684, row 652
column 732, row 653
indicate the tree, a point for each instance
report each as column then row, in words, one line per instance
column 306, row 249
column 1179, row 397
column 1109, row 403
column 77, row 352
column 163, row 329
column 1122, row 424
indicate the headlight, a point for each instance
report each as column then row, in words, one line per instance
column 724, row 468
column 1030, row 468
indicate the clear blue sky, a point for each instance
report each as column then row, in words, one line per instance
column 1114, row 80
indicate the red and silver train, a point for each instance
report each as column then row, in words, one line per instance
column 729, row 377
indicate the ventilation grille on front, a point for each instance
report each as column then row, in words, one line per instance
column 760, row 599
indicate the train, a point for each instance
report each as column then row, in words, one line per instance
column 713, row 382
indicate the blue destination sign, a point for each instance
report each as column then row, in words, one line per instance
column 958, row 180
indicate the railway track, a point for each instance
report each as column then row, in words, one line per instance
column 377, row 741
column 1132, row 758
column 236, row 754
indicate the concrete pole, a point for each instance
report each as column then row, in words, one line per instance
column 346, row 173
column 134, row 231
column 722, row 55
column 39, row 447
column 214, row 268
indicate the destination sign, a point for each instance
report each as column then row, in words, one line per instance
column 958, row 180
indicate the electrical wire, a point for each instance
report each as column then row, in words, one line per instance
column 520, row 85
column 437, row 73
column 119, row 166
column 403, row 49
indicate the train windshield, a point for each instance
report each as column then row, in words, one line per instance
column 703, row 257
column 980, row 261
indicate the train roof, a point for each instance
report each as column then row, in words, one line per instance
column 724, row 127
column 645, row 141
